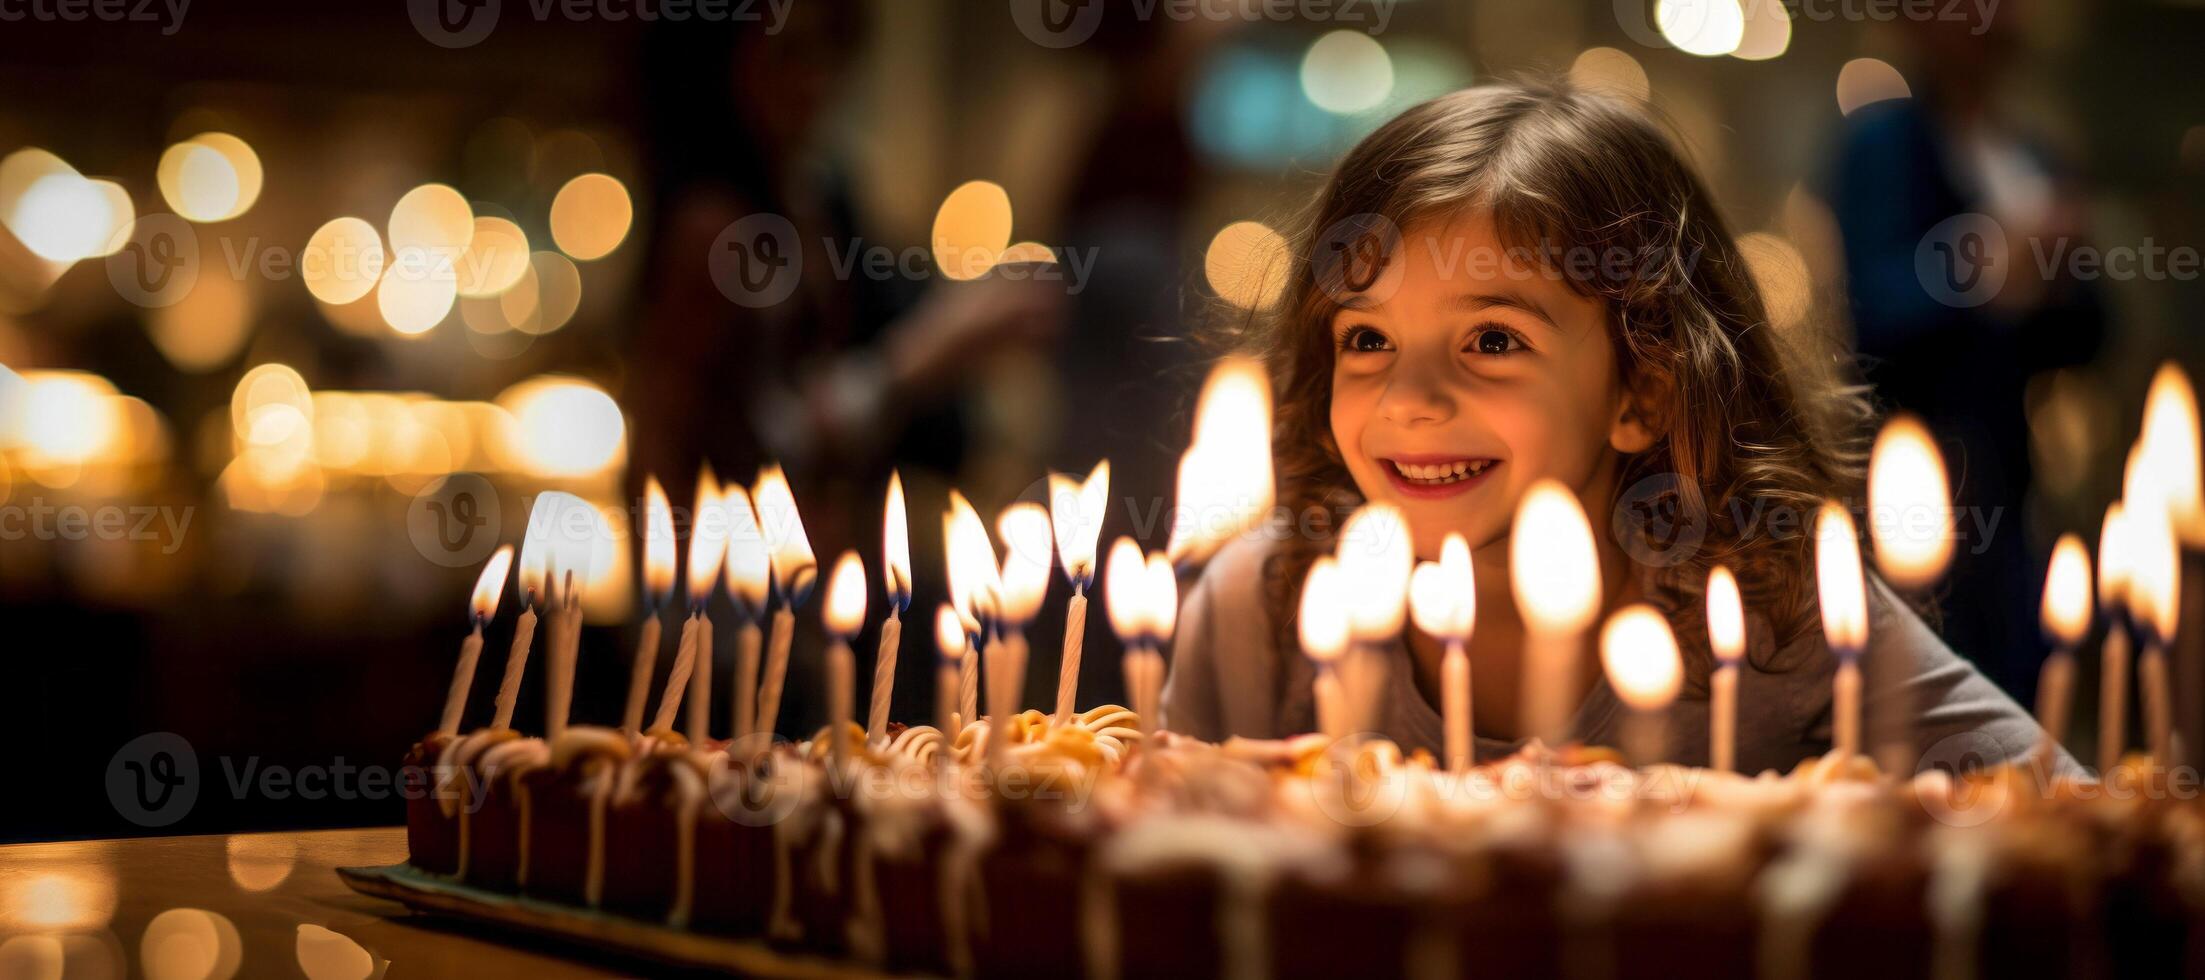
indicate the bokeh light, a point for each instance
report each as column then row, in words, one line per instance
column 433, row 217
column 495, row 258
column 590, row 216
column 1612, row 71
column 546, row 296
column 343, row 261
column 971, row 229
column 63, row 217
column 564, row 427
column 1346, row 72
column 206, row 328
column 1866, row 81
column 209, row 177
column 1246, row 265
column 1708, row 28
column 1768, row 31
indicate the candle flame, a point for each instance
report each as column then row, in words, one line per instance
column 1125, row 582
column 1324, row 623
column 1162, row 595
column 1443, row 595
column 1726, row 615
column 2066, row 613
column 708, row 529
column 1552, row 565
column 1025, row 530
column 794, row 566
column 561, row 539
column 1910, row 504
column 749, row 564
column 492, row 582
column 2155, row 573
column 2113, row 558
column 1077, row 510
column 1225, row 477
column 1844, row 593
column 844, row 612
column 949, row 633
column 973, row 584
column 1640, row 654
column 896, row 545
column 2170, row 448
column 1375, row 565
column 658, row 542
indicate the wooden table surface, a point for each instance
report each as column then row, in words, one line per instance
column 158, row 907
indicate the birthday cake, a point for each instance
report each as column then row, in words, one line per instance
column 1087, row 849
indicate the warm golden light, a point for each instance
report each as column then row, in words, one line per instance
column 496, row 256
column 1768, row 31
column 207, row 327
column 590, row 216
column 564, row 427
column 708, row 528
column 1866, row 81
column 1027, row 559
column 202, row 183
column 1726, row 615
column 190, row 944
column 2171, row 453
column 1375, row 564
column 1346, row 72
column 1077, row 509
column 1909, row 505
column 259, row 862
column 844, row 612
column 68, row 418
column 325, row 954
column 435, row 219
column 63, row 217
column 1443, row 595
column 895, row 535
column 1640, row 654
column 2155, row 573
column 1125, row 586
column 794, row 567
column 973, row 574
column 1707, row 28
column 2067, row 596
column 749, row 561
column 1027, row 252
column 491, row 583
column 949, row 632
column 1161, row 596
column 413, row 303
column 563, row 536
column 243, row 164
column 2114, row 558
column 64, row 898
column 1843, row 592
column 1225, row 478
column 971, row 229
column 1611, row 71
column 658, row 542
column 1552, row 565
column 1246, row 265
column 1323, row 623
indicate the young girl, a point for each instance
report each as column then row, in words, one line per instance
column 1511, row 283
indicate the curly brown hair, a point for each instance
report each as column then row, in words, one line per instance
column 1751, row 416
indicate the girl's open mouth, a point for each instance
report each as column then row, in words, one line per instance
column 1434, row 476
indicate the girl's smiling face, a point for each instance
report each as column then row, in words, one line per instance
column 1467, row 375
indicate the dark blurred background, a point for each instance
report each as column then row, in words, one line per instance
column 748, row 236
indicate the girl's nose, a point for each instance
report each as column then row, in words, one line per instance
column 1415, row 397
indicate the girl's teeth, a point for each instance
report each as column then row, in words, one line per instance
column 1442, row 473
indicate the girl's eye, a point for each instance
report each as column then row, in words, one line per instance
column 1495, row 341
column 1362, row 340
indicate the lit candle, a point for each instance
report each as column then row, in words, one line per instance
column 1027, row 564
column 1375, row 565
column 2113, row 653
column 749, row 582
column 1555, row 575
column 949, row 639
column 2170, row 433
column 708, row 529
column 535, row 553
column 1844, row 618
column 794, row 571
column 1125, row 597
column 896, row 575
column 658, row 586
column 1640, row 654
column 974, row 589
column 1726, row 636
column 844, row 615
column 1443, row 599
column 1323, row 629
column 2155, row 573
column 1911, row 522
column 563, row 531
column 2066, row 619
column 1225, row 479
column 1161, row 597
column 1077, row 511
column 482, row 607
